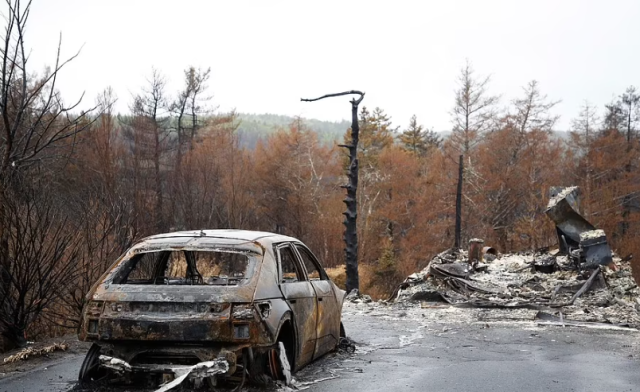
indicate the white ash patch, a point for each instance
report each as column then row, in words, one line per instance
column 506, row 271
column 555, row 199
column 591, row 234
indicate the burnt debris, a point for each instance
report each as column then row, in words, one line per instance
column 606, row 294
column 580, row 283
column 577, row 238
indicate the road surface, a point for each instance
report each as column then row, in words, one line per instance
column 411, row 354
column 411, row 348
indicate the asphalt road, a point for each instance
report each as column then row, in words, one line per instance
column 403, row 349
column 412, row 355
column 55, row 376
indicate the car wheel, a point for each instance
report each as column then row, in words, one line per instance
column 279, row 365
column 91, row 364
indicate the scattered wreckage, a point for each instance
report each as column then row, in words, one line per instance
column 580, row 282
column 212, row 307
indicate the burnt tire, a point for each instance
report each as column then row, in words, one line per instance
column 89, row 370
column 268, row 365
column 258, row 369
column 279, row 364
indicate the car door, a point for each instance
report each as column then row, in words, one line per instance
column 301, row 297
column 328, row 325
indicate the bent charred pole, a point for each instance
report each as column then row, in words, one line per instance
column 351, row 214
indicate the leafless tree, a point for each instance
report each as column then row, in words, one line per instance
column 583, row 131
column 42, row 261
column 586, row 122
column 34, row 116
column 187, row 107
column 99, row 245
column 150, row 128
column 474, row 109
column 188, row 104
column 532, row 111
column 631, row 104
column 197, row 81
column 104, row 213
column 37, row 127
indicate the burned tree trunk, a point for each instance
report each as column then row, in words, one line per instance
column 351, row 214
column 458, row 243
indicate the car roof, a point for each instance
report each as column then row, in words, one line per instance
column 262, row 237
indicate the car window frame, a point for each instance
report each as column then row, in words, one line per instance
column 314, row 261
column 123, row 267
column 300, row 270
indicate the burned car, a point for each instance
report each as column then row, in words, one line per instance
column 210, row 306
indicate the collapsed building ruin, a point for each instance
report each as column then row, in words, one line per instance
column 580, row 282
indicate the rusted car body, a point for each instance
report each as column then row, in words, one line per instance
column 183, row 298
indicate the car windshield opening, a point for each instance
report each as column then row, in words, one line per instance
column 185, row 267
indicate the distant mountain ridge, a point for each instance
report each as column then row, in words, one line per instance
column 255, row 127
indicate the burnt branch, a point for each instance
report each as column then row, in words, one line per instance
column 356, row 102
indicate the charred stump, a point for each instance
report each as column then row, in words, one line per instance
column 351, row 214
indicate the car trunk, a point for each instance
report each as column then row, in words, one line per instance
column 168, row 313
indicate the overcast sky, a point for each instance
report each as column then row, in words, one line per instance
column 406, row 55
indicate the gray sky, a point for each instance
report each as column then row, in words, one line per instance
column 406, row 55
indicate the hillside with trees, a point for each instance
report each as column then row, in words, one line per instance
column 253, row 128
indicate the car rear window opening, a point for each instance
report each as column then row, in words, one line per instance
column 185, row 267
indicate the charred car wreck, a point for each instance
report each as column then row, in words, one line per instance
column 210, row 306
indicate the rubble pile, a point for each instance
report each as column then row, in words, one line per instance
column 609, row 293
column 580, row 282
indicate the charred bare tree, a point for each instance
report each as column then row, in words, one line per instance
column 198, row 81
column 37, row 129
column 35, row 120
column 98, row 246
column 151, row 133
column 188, row 105
column 42, row 262
column 103, row 211
column 630, row 101
column 351, row 215
column 474, row 111
column 459, row 205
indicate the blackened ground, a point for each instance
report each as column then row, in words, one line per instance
column 409, row 347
